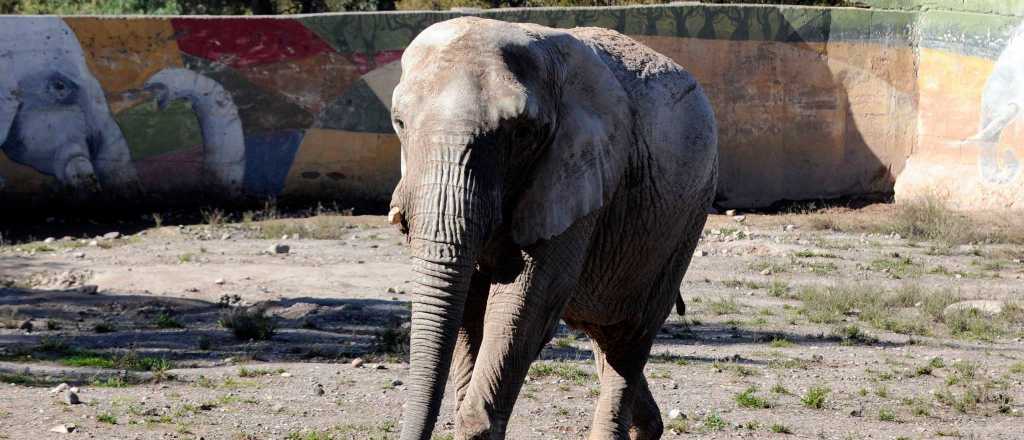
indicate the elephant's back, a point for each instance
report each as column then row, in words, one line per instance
column 675, row 117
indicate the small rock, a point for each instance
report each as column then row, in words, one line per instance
column 739, row 218
column 71, row 398
column 73, row 389
column 286, row 374
column 789, row 228
column 277, row 408
column 700, row 253
column 26, row 325
column 278, row 248
column 380, row 367
column 730, row 212
column 676, row 413
column 357, row 362
column 985, row 307
column 94, row 243
column 219, row 281
column 396, row 383
column 112, row 235
column 226, row 236
column 78, row 255
column 318, row 389
column 766, row 272
column 49, row 240
column 88, row 289
column 59, row 388
column 392, row 290
column 673, row 385
column 64, row 428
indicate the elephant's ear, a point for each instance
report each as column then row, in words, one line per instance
column 580, row 170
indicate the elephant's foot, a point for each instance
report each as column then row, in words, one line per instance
column 473, row 423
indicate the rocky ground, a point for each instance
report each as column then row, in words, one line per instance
column 823, row 324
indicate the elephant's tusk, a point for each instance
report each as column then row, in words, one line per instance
column 395, row 216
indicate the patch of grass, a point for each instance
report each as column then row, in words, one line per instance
column 257, row 372
column 562, row 370
column 897, row 267
column 677, row 426
column 749, row 399
column 928, row 218
column 807, row 253
column 973, row 324
column 778, row 289
column 779, row 428
column 823, row 268
column 565, row 342
column 248, row 323
column 908, row 309
column 164, row 320
column 724, row 306
column 886, row 415
column 778, row 388
column 815, row 397
column 749, row 284
column 714, row 422
column 1017, row 368
column 186, row 257
column 107, row 418
column 781, row 343
column 853, row 335
column 768, row 266
column 737, row 369
column 394, row 340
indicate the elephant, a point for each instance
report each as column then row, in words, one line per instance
column 223, row 138
column 1001, row 104
column 548, row 174
column 53, row 112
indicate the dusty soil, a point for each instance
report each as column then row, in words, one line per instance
column 151, row 360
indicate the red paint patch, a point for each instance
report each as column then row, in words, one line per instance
column 247, row 42
column 365, row 63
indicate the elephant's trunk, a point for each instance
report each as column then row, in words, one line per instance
column 448, row 218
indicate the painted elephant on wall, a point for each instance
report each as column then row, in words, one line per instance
column 55, row 119
column 1001, row 103
column 53, row 113
column 548, row 175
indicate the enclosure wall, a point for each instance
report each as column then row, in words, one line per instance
column 811, row 102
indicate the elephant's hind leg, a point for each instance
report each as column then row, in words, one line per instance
column 625, row 409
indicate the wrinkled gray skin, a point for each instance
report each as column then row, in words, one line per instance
column 548, row 174
column 53, row 113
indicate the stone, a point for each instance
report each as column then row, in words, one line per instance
column 739, row 218
column 730, row 212
column 286, row 374
column 26, row 325
column 297, row 311
column 218, row 281
column 318, row 389
column 49, row 240
column 983, row 306
column 94, row 243
column 71, row 398
column 766, row 272
column 226, row 236
column 396, row 382
column 676, row 414
column 112, row 235
column 789, row 228
column 59, row 388
column 357, row 363
column 78, row 255
column 700, row 253
column 278, row 248
column 64, row 428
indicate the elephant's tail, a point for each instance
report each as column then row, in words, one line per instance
column 223, row 138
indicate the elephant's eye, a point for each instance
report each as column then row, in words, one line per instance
column 400, row 124
column 61, row 89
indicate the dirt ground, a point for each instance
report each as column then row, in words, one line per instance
column 797, row 326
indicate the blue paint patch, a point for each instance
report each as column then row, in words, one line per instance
column 268, row 159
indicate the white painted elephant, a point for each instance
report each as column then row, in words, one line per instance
column 1001, row 103
column 54, row 116
column 53, row 113
column 548, row 174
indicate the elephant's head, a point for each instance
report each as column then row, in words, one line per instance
column 509, row 132
column 53, row 113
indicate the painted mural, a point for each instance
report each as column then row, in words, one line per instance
column 812, row 102
column 971, row 139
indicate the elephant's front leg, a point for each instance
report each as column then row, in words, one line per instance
column 521, row 317
column 470, row 334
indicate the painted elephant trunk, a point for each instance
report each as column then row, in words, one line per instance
column 445, row 243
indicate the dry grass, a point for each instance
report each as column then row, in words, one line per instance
column 909, row 309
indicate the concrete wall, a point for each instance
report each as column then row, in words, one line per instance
column 812, row 102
